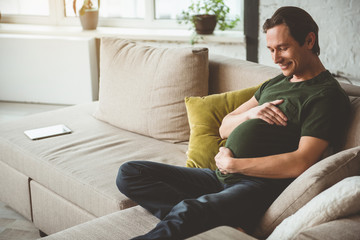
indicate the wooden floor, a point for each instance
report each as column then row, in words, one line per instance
column 13, row 226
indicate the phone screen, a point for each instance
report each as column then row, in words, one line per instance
column 45, row 132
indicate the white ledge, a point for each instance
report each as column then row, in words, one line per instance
column 235, row 37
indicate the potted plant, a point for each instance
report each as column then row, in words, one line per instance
column 89, row 15
column 204, row 15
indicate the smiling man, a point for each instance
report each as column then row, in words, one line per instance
column 306, row 100
column 271, row 139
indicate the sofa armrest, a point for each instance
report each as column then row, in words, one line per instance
column 121, row 225
column 222, row 233
column 131, row 222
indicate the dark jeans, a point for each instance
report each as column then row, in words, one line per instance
column 189, row 201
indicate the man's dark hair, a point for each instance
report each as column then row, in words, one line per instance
column 299, row 22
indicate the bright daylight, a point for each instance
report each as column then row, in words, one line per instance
column 168, row 119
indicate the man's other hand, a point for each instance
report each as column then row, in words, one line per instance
column 269, row 112
column 224, row 160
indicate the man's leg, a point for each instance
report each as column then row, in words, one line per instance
column 159, row 187
column 239, row 205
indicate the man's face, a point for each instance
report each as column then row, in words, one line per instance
column 286, row 51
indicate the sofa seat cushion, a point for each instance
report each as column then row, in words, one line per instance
column 81, row 166
column 14, row 183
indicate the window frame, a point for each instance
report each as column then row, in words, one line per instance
column 52, row 19
column 57, row 18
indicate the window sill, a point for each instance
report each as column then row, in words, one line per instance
column 171, row 35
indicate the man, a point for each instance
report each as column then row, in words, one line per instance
column 271, row 139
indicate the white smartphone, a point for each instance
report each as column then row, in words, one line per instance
column 39, row 133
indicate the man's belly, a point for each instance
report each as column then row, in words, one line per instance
column 256, row 138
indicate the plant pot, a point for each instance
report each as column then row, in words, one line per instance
column 205, row 24
column 89, row 20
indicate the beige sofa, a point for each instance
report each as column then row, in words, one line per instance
column 66, row 184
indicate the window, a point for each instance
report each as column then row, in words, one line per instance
column 155, row 14
column 123, row 9
column 134, row 9
column 25, row 7
column 169, row 9
column 43, row 12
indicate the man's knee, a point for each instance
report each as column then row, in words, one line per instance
column 127, row 171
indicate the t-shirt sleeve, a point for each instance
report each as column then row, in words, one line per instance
column 266, row 84
column 260, row 90
column 326, row 116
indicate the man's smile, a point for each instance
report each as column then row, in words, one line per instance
column 285, row 66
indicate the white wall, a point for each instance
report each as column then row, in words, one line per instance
column 339, row 34
column 63, row 70
column 235, row 50
column 48, row 69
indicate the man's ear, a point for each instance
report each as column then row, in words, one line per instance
column 310, row 40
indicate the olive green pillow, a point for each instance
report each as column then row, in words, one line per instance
column 205, row 115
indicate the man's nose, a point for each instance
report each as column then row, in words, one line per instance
column 277, row 57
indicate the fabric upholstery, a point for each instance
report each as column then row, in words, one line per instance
column 352, row 138
column 229, row 74
column 340, row 200
column 351, row 90
column 205, row 115
column 142, row 88
column 222, row 232
column 344, row 228
column 14, row 183
column 81, row 166
column 46, row 209
column 132, row 222
column 313, row 181
column 120, row 225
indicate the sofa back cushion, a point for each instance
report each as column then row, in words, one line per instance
column 142, row 88
column 352, row 138
column 350, row 89
column 230, row 74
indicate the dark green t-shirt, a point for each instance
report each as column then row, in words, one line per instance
column 317, row 107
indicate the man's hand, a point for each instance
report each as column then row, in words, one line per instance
column 251, row 110
column 224, row 160
column 284, row 165
column 269, row 113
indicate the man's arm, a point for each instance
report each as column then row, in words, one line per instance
column 250, row 110
column 286, row 165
